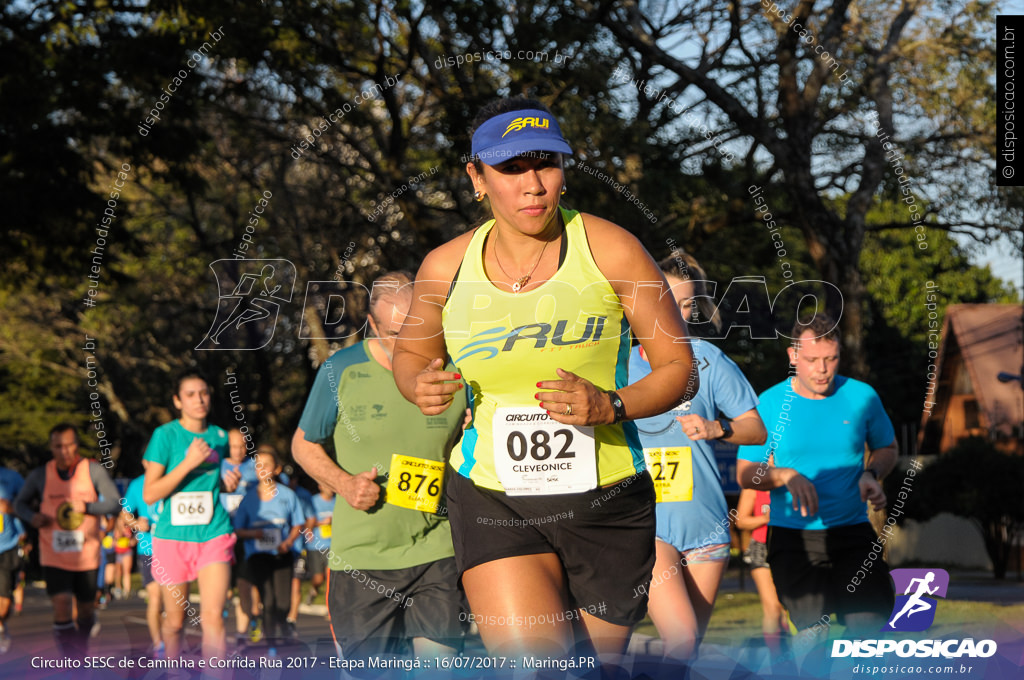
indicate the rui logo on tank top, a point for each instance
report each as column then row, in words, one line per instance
column 491, row 342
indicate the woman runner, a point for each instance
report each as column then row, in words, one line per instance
column 693, row 521
column 536, row 309
column 193, row 539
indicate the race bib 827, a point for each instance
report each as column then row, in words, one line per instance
column 68, row 541
column 671, row 469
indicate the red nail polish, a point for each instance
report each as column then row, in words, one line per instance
column 537, row 396
column 458, row 376
column 538, row 384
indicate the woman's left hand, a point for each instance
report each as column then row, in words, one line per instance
column 698, row 427
column 576, row 402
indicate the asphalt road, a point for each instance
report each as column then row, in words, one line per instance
column 123, row 642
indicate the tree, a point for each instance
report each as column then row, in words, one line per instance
column 378, row 184
column 352, row 193
column 974, row 481
column 897, row 314
column 825, row 105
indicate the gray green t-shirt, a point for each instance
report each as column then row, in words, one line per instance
column 355, row 400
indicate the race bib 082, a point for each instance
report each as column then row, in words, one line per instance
column 535, row 455
column 270, row 540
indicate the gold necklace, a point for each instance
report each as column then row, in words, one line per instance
column 522, row 280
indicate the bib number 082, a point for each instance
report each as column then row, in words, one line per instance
column 539, row 446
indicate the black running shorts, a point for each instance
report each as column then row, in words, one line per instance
column 604, row 538
column 818, row 572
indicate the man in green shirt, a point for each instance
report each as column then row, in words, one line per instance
column 393, row 584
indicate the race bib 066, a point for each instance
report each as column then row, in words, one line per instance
column 191, row 508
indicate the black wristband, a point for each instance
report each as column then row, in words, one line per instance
column 726, row 428
column 617, row 406
column 873, row 473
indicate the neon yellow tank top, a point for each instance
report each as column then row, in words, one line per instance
column 503, row 343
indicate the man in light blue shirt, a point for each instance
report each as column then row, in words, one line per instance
column 819, row 542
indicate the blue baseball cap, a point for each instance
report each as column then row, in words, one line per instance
column 515, row 133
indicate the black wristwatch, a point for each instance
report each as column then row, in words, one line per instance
column 726, row 428
column 617, row 406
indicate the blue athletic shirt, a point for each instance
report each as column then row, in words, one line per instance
column 306, row 503
column 687, row 525
column 134, row 504
column 279, row 514
column 324, row 511
column 822, row 439
column 10, row 484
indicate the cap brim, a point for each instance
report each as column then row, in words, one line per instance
column 522, row 145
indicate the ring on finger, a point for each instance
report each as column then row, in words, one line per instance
column 568, row 409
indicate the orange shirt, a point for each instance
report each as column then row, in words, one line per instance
column 73, row 541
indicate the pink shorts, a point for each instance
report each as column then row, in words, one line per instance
column 176, row 562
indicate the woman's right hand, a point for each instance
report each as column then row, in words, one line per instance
column 435, row 389
column 198, row 451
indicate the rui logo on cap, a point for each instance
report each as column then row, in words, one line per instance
column 536, row 130
column 520, row 123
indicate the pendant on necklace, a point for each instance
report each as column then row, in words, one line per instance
column 519, row 283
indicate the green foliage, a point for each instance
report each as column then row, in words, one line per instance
column 899, row 318
column 81, row 78
column 975, row 481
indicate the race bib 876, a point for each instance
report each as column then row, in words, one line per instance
column 414, row 483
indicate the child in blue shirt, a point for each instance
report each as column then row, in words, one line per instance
column 270, row 517
column 318, row 541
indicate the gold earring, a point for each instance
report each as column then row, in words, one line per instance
column 478, row 196
column 564, row 189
